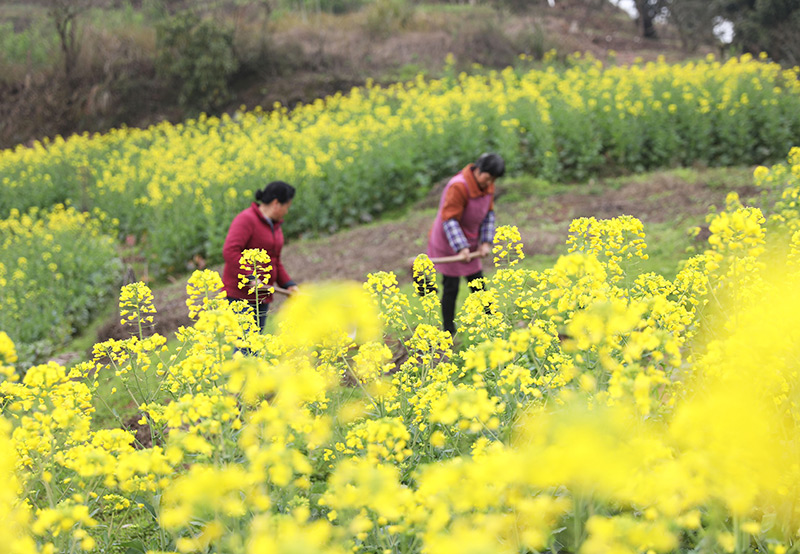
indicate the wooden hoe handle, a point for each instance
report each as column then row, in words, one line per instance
column 446, row 259
column 456, row 258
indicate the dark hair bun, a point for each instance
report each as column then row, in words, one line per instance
column 276, row 190
column 491, row 163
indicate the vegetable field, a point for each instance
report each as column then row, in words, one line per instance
column 583, row 408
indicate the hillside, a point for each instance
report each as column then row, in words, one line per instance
column 323, row 54
column 302, row 58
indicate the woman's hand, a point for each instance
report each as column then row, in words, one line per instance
column 484, row 249
column 464, row 253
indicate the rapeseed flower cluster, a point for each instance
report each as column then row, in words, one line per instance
column 611, row 241
column 67, row 517
column 507, row 247
column 380, row 440
column 371, row 362
column 335, row 308
column 204, row 290
column 136, row 306
column 255, row 270
column 393, row 305
column 15, row 514
column 8, row 355
column 425, row 287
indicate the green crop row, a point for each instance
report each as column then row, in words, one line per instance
column 57, row 268
column 354, row 156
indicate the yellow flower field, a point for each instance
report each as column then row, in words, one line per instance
column 587, row 409
column 354, row 156
column 173, row 189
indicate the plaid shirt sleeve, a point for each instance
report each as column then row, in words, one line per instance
column 455, row 235
column 487, row 228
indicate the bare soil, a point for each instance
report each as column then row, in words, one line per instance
column 388, row 246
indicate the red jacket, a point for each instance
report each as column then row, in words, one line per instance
column 250, row 229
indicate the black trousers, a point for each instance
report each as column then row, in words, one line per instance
column 450, row 287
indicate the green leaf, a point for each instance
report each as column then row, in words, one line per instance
column 147, row 506
column 134, row 547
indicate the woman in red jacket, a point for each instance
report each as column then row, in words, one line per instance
column 258, row 226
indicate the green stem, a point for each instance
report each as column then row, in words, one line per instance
column 577, row 523
column 361, row 385
column 737, row 535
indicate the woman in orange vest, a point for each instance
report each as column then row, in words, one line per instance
column 465, row 223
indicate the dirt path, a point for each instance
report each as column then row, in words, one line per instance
column 353, row 253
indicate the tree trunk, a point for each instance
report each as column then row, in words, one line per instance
column 646, row 15
column 648, row 29
column 66, row 36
